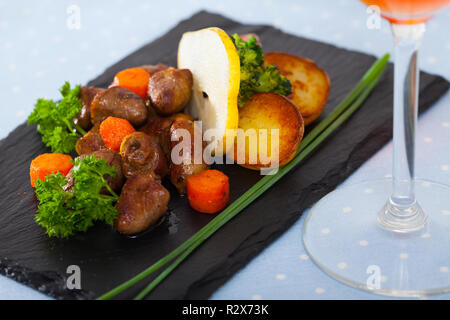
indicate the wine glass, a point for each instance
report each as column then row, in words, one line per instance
column 389, row 236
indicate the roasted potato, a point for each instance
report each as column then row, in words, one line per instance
column 267, row 111
column 310, row 84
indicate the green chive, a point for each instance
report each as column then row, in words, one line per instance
column 321, row 131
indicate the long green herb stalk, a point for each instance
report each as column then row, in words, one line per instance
column 341, row 113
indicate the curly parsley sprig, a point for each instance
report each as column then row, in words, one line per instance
column 255, row 77
column 64, row 212
column 55, row 120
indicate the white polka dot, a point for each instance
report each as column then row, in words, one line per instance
column 280, row 276
column 304, row 257
column 425, row 236
column 12, row 66
column 20, row 113
column 133, row 39
column 220, row 6
column 426, row 184
column 307, row 29
column 27, row 11
column 363, row 243
column 446, row 124
column 30, row 32
column 356, row 23
column 368, row 191
column 62, row 60
column 445, row 167
column 256, row 297
column 113, row 53
column 34, row 52
column 347, row 209
column 445, row 212
column 386, row 30
column 403, row 255
column 325, row 231
column 106, row 32
column 277, row 22
column 16, row 89
column 443, row 269
column 368, row 44
column 325, row 15
column 320, row 290
column 146, row 6
column 338, row 36
column 39, row 74
column 99, row 12
column 342, row 265
column 388, row 175
column 267, row 3
column 296, row 8
column 433, row 24
column 57, row 38
column 428, row 140
column 431, row 60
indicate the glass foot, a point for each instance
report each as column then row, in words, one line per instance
column 343, row 236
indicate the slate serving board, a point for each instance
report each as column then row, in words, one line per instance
column 107, row 259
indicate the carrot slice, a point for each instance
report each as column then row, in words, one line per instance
column 134, row 79
column 208, row 191
column 48, row 163
column 113, row 130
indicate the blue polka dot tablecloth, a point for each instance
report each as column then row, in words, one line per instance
column 40, row 48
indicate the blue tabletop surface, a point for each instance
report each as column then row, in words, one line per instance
column 39, row 50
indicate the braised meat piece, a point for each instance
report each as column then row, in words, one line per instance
column 158, row 129
column 121, row 103
column 185, row 166
column 142, row 156
column 113, row 159
column 170, row 90
column 90, row 142
column 152, row 69
column 142, row 202
column 86, row 97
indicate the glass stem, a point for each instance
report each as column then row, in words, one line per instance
column 402, row 213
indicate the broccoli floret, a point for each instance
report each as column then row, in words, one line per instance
column 255, row 77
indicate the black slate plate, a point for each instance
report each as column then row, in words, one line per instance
column 107, row 259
